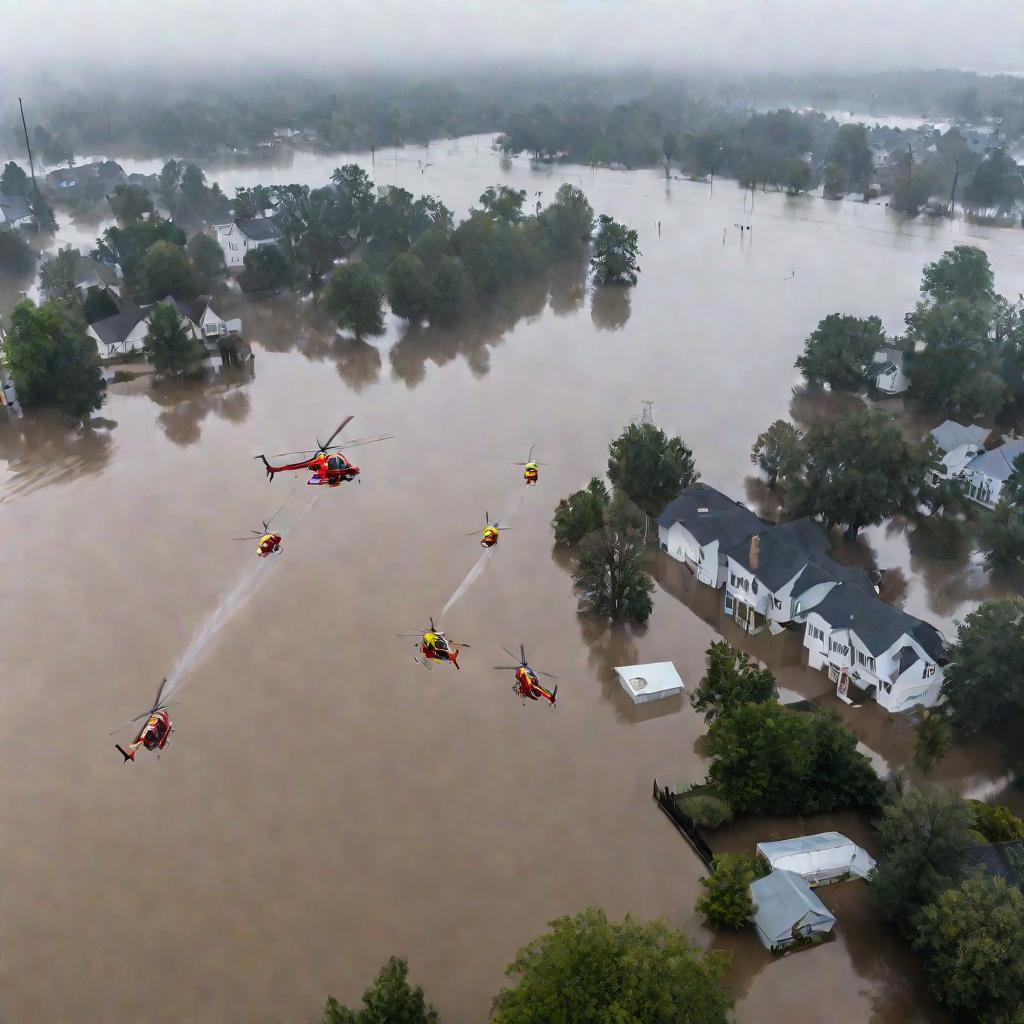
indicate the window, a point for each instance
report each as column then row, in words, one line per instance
column 929, row 670
column 754, row 587
column 738, row 582
column 816, row 634
column 777, row 603
column 839, row 647
column 796, row 608
column 866, row 660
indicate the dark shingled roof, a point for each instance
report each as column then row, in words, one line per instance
column 259, row 229
column 114, row 329
column 193, row 309
column 1003, row 859
column 14, row 208
column 710, row 515
column 878, row 624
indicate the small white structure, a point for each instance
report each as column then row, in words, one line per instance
column 650, row 682
column 890, row 373
column 818, row 859
column 237, row 237
column 983, row 477
column 786, row 910
column 959, row 445
column 15, row 212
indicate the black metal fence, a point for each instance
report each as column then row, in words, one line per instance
column 666, row 800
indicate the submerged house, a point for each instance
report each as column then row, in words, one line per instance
column 819, row 859
column 982, row 478
column 237, row 237
column 787, row 911
column 126, row 331
column 890, row 372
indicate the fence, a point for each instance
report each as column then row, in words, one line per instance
column 667, row 802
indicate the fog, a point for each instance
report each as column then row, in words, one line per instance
column 120, row 39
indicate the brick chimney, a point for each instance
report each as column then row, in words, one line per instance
column 755, row 548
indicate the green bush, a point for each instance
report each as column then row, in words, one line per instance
column 997, row 824
column 726, row 900
column 706, row 811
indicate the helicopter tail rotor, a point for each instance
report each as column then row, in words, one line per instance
column 270, row 470
column 124, row 753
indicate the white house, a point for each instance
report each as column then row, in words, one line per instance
column 698, row 526
column 958, row 444
column 15, row 212
column 818, row 859
column 786, row 910
column 237, row 237
column 982, row 478
column 126, row 332
column 875, row 648
column 890, row 373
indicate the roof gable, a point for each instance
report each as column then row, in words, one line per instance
column 950, row 435
column 710, row 515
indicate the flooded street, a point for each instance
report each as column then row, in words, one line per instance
column 324, row 801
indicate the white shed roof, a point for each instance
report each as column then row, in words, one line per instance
column 650, row 682
column 784, row 902
column 820, row 856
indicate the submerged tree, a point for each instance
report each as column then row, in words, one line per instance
column 504, row 202
column 207, row 259
column 934, row 735
column 726, row 900
column 389, row 1000
column 16, row 256
column 14, row 181
column 962, row 272
column 731, row 680
column 353, row 296
column 587, row 968
column 568, row 221
column 130, row 203
column 57, row 276
column 615, row 253
column 581, row 513
column 650, row 467
column 840, row 351
column 170, row 346
column 609, row 566
column 778, row 452
column 1001, row 536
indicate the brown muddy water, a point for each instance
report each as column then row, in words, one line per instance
column 324, row 801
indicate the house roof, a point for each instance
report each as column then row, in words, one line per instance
column 191, row 309
column 998, row 463
column 878, row 624
column 259, row 229
column 14, row 208
column 782, row 899
column 804, row 844
column 113, row 330
column 817, row 855
column 710, row 515
column 109, row 169
column 1002, row 859
column 950, row 435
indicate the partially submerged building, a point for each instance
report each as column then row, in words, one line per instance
column 819, row 859
column 126, row 332
column 787, row 911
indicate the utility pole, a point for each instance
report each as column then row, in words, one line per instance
column 952, row 194
column 31, row 163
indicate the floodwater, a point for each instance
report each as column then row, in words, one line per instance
column 326, row 802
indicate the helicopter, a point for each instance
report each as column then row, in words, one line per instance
column 433, row 645
column 527, row 685
column 154, row 734
column 268, row 543
column 325, row 462
column 530, row 471
column 489, row 534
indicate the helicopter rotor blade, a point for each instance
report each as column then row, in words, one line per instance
column 159, row 693
column 547, row 674
column 358, row 442
column 284, row 455
column 341, row 427
column 267, row 522
column 509, row 653
column 522, row 654
column 505, row 668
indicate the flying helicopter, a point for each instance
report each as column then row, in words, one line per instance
column 156, row 731
column 489, row 534
column 527, row 685
column 268, row 542
column 325, row 462
column 433, row 645
column 530, row 471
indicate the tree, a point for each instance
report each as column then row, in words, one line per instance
column 170, row 346
column 504, row 202
column 650, row 467
column 568, row 221
column 389, row 1000
column 587, row 968
column 353, row 296
column 314, row 228
column 997, row 183
column 615, row 253
column 410, row 288
column 934, row 735
column 727, row 901
column 670, row 149
column 14, row 181
column 730, row 681
column 914, row 184
column 451, row 290
column 849, row 151
column 57, row 276
column 944, row 499
column 833, row 180
column 796, row 175
column 840, row 351
column 859, row 471
column 130, row 202
column 16, row 256
column 207, row 259
column 924, row 832
column 166, row 271
column 252, row 203
column 581, row 513
column 972, row 940
column 51, row 360
column 962, row 272
column 767, row 759
column 168, row 181
column 1013, row 489
column 996, row 823
column 127, row 246
column 265, row 268
column 778, row 452
column 1001, row 536
column 609, row 566
column 983, row 684
column 355, row 189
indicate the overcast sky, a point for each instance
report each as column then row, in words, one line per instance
column 121, row 37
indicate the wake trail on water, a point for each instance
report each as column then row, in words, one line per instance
column 251, row 580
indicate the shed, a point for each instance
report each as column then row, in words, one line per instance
column 818, row 859
column 786, row 910
column 650, row 682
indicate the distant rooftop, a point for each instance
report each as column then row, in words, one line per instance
column 950, row 435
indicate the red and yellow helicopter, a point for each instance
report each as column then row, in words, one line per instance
column 326, row 463
column 433, row 645
column 268, row 543
column 527, row 684
column 531, row 472
column 156, row 731
column 489, row 534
